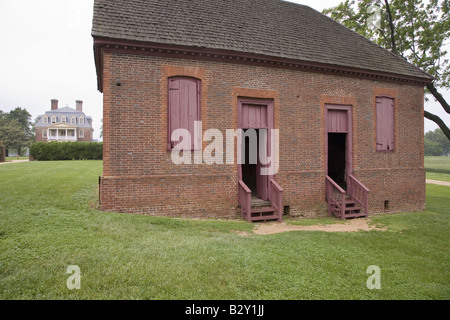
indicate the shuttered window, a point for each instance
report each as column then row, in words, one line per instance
column 183, row 106
column 385, row 123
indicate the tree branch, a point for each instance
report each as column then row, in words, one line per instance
column 439, row 122
column 439, row 97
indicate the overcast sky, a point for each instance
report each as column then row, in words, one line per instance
column 46, row 52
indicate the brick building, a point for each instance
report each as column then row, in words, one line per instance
column 64, row 124
column 349, row 114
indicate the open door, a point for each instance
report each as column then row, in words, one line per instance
column 257, row 115
column 338, row 144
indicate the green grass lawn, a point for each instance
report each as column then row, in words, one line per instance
column 437, row 164
column 48, row 221
column 438, row 176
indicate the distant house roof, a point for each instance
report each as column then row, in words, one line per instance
column 67, row 112
column 270, row 28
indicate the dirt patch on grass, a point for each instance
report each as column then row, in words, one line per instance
column 442, row 183
column 353, row 225
column 14, row 161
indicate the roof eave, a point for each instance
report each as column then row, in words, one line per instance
column 104, row 44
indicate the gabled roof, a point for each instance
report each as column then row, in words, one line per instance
column 271, row 28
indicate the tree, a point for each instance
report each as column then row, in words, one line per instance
column 24, row 118
column 12, row 135
column 413, row 29
column 15, row 129
column 436, row 143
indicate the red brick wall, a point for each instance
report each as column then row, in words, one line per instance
column 139, row 176
column 39, row 136
column 87, row 135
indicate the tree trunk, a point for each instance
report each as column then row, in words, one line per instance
column 2, row 152
column 439, row 122
column 391, row 27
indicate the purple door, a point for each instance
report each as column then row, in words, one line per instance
column 258, row 115
column 262, row 182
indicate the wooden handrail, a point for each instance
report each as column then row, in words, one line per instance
column 276, row 185
column 335, row 196
column 244, row 186
column 275, row 197
column 359, row 193
column 335, row 184
column 245, row 200
column 359, row 183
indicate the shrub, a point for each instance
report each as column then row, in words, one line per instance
column 78, row 150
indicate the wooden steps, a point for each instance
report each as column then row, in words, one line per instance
column 256, row 202
column 255, row 209
column 351, row 210
column 353, row 203
column 263, row 214
column 262, row 211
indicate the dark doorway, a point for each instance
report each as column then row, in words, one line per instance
column 249, row 165
column 337, row 158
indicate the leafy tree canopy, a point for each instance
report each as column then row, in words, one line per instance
column 436, row 143
column 15, row 129
column 417, row 30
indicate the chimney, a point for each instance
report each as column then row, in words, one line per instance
column 79, row 105
column 54, row 104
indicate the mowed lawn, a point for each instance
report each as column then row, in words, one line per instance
column 49, row 221
column 438, row 168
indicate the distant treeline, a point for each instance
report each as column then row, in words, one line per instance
column 78, row 150
column 436, row 143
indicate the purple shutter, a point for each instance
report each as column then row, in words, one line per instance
column 385, row 123
column 390, row 111
column 184, row 106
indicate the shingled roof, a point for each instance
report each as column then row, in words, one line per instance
column 271, row 28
